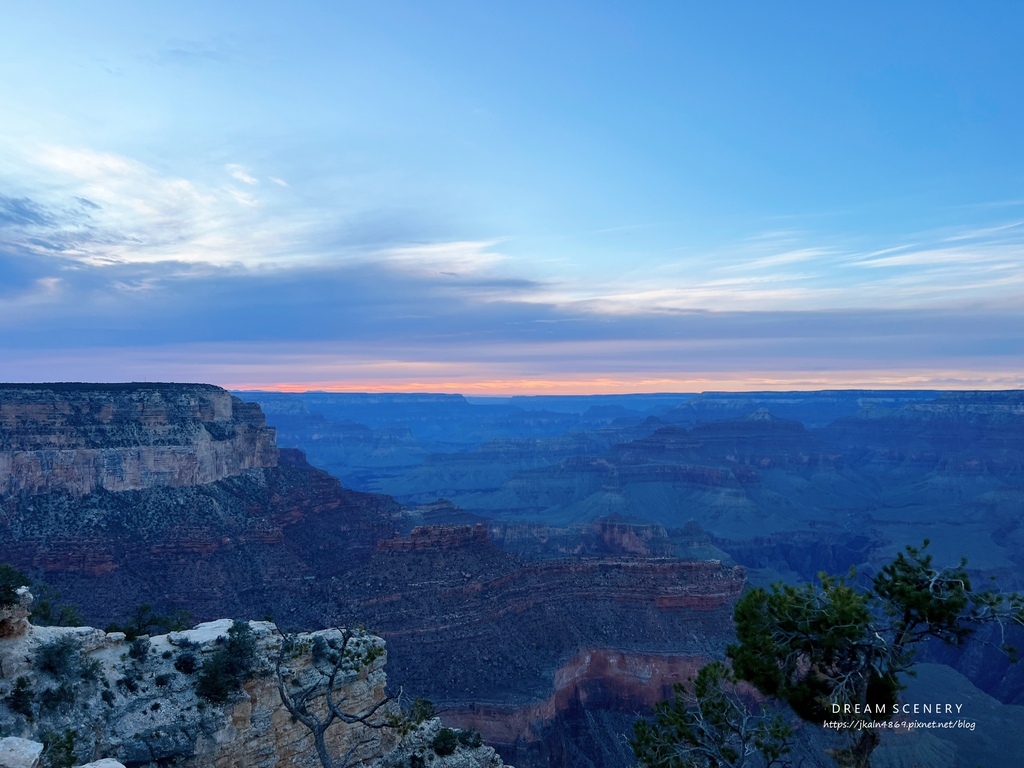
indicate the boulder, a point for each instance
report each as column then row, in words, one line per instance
column 20, row 753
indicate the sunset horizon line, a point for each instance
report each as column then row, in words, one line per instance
column 572, row 389
column 592, row 387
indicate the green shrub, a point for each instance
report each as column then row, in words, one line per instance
column 61, row 658
column 10, row 579
column 20, row 699
column 90, row 669
column 139, row 648
column 445, row 742
column 58, row 751
column 226, row 670
column 47, row 611
column 53, row 698
column 421, row 710
column 129, row 683
column 187, row 663
column 470, row 738
column 146, row 621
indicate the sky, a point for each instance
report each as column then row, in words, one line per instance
column 501, row 198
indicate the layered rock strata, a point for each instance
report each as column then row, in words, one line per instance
column 249, row 545
column 529, row 651
column 80, row 438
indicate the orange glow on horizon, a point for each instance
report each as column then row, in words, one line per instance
column 798, row 381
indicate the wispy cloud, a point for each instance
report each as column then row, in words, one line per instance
column 789, row 271
column 103, row 208
column 788, row 257
column 97, row 249
column 239, row 173
column 15, row 211
column 965, row 257
column 190, row 53
column 451, row 259
column 987, row 232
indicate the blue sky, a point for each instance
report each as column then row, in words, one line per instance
column 499, row 197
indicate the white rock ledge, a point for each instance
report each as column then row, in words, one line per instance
column 20, row 753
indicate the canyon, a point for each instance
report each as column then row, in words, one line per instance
column 785, row 484
column 231, row 525
column 542, row 569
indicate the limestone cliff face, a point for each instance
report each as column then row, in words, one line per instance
column 80, row 438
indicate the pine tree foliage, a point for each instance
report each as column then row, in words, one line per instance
column 830, row 650
column 711, row 727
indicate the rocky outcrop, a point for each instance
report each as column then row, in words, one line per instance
column 420, row 748
column 436, row 537
column 141, row 708
column 25, row 753
column 14, row 618
column 612, row 535
column 80, row 438
column 135, row 704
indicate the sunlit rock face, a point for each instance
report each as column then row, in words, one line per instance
column 80, row 438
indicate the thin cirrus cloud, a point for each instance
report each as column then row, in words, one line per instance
column 126, row 212
column 103, row 255
column 239, row 173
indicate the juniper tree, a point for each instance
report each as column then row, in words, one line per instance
column 314, row 695
column 711, row 726
column 833, row 649
column 10, row 580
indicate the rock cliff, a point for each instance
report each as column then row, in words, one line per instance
column 248, row 545
column 142, row 708
column 99, row 697
column 79, row 438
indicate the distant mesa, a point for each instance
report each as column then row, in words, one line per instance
column 80, row 438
